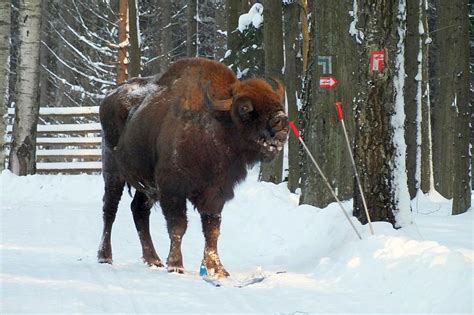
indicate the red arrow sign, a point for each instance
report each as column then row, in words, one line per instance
column 327, row 82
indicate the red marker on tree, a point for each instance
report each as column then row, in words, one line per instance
column 298, row 135
column 340, row 116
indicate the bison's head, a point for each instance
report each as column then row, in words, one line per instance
column 257, row 113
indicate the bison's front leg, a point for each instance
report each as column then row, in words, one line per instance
column 174, row 210
column 211, row 225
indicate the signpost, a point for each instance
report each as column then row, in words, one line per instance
column 377, row 60
column 328, row 82
column 326, row 62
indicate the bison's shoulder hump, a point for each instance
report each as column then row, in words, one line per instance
column 187, row 78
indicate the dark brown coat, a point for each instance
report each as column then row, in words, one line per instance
column 189, row 134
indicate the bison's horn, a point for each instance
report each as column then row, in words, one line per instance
column 218, row 105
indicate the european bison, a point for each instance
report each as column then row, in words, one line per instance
column 189, row 134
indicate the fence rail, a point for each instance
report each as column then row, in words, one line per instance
column 63, row 146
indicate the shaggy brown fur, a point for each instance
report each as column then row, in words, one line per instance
column 189, row 134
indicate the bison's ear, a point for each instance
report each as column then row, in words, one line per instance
column 213, row 104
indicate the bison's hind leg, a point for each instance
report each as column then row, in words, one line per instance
column 141, row 206
column 112, row 194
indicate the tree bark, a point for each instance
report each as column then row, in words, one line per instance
column 460, row 75
column 291, row 19
column 334, row 55
column 443, row 95
column 233, row 10
column 5, row 30
column 23, row 147
column 304, row 31
column 191, row 34
column 379, row 142
column 427, row 181
column 165, row 37
column 412, row 129
column 135, row 64
column 122, row 62
column 273, row 42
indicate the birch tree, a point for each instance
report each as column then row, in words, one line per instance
column 23, row 146
column 379, row 138
column 5, row 6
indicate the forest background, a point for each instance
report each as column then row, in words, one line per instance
column 408, row 115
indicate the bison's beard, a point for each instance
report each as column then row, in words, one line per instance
column 270, row 147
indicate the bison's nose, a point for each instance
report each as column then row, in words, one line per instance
column 279, row 122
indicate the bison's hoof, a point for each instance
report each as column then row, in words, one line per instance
column 153, row 262
column 222, row 273
column 218, row 271
column 105, row 260
column 179, row 270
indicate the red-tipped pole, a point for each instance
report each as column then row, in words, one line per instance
column 340, row 116
column 297, row 134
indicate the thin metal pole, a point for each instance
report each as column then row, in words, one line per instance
column 341, row 119
column 324, row 177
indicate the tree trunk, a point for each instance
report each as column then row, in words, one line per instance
column 304, row 31
column 23, row 147
column 191, row 34
column 471, row 67
column 291, row 14
column 460, row 75
column 122, row 62
column 412, row 129
column 443, row 111
column 427, row 181
column 165, row 35
column 379, row 142
column 233, row 10
column 5, row 19
column 334, row 56
column 135, row 64
column 273, row 42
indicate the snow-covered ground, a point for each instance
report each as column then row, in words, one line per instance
column 51, row 225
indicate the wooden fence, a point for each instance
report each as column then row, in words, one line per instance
column 68, row 148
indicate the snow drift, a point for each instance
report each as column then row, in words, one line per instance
column 51, row 225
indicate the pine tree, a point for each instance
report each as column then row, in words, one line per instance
column 273, row 41
column 332, row 54
column 379, row 141
column 135, row 63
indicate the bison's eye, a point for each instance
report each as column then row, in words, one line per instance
column 245, row 108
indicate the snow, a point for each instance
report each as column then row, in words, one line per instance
column 353, row 31
column 253, row 17
column 51, row 226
